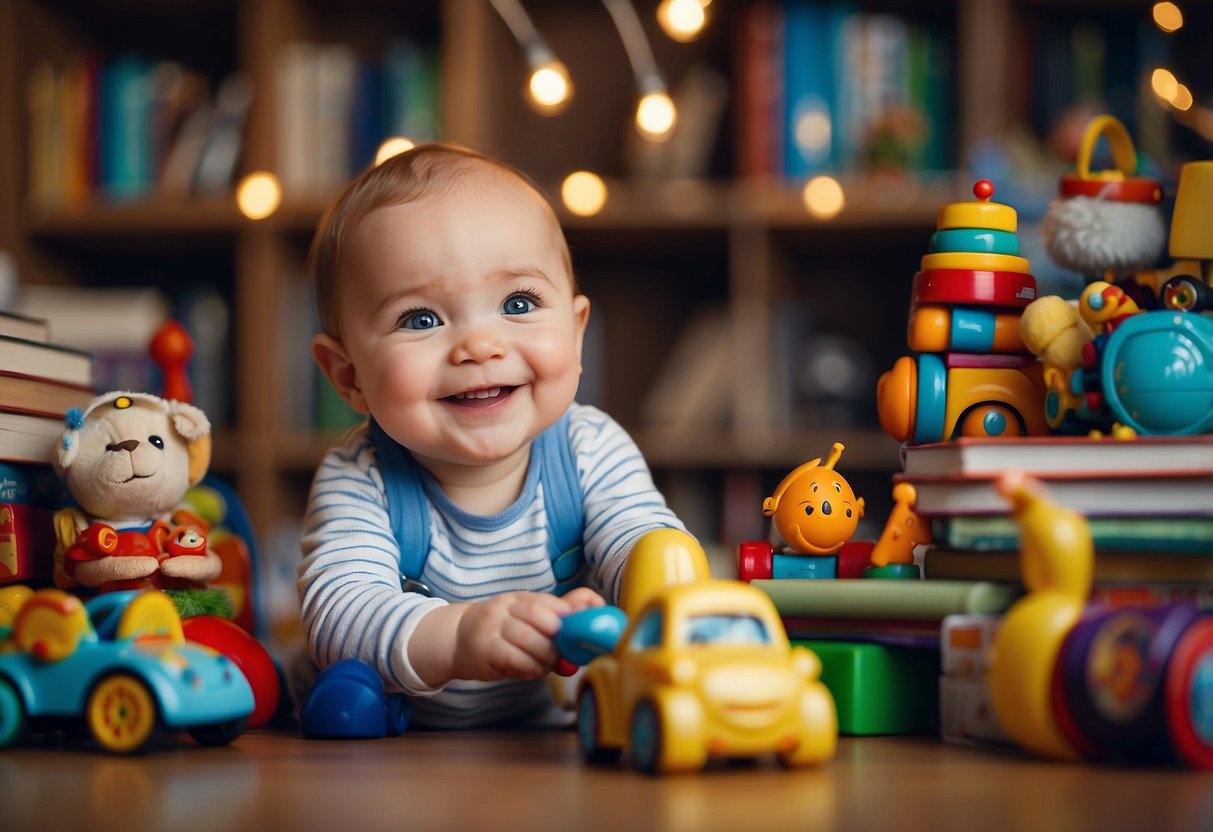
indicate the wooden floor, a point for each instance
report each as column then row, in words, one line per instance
column 538, row 781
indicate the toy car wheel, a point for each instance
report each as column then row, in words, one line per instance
column 12, row 715
column 589, row 729
column 122, row 714
column 221, row 733
column 647, row 738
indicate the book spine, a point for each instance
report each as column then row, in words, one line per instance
column 33, row 485
column 760, row 91
column 809, row 87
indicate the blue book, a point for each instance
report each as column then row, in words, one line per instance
column 32, row 484
column 125, row 135
column 810, row 122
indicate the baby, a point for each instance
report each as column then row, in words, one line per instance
column 437, row 537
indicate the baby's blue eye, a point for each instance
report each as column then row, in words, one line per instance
column 517, row 305
column 419, row 319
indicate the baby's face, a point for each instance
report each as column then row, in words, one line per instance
column 460, row 319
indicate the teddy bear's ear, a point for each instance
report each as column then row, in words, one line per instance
column 190, row 422
column 69, row 443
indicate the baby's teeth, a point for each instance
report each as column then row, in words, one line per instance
column 490, row 393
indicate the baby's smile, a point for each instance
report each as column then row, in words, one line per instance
column 482, row 397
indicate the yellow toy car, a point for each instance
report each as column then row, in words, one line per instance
column 704, row 669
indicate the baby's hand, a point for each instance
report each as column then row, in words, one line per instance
column 510, row 635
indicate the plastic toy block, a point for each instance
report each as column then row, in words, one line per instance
column 880, row 689
column 940, row 328
column 804, row 566
column 976, row 287
column 975, row 260
column 984, row 240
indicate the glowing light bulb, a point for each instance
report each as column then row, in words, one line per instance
column 584, row 193
column 550, row 88
column 1183, row 98
column 1168, row 17
column 392, row 147
column 824, row 197
column 1164, row 84
column 655, row 115
column 258, row 195
column 682, row 20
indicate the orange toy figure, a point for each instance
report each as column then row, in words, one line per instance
column 815, row 510
column 893, row 555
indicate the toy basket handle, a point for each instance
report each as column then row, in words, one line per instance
column 1123, row 152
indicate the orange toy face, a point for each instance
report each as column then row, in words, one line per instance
column 814, row 510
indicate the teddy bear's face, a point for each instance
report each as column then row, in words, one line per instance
column 129, row 463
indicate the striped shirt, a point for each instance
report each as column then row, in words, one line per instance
column 349, row 581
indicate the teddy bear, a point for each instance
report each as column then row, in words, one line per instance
column 128, row 459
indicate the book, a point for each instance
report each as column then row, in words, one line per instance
column 1180, row 494
column 1146, row 566
column 29, row 435
column 33, row 485
column 759, row 95
column 38, row 393
column 866, row 599
column 1176, row 535
column 29, row 327
column 808, row 82
column 1042, row 455
column 38, row 358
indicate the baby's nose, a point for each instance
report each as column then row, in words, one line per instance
column 478, row 344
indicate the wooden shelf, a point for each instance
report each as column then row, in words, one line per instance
column 655, row 253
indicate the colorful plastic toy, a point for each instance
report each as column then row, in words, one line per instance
column 1128, row 684
column 348, row 701
column 1149, row 372
column 815, row 511
column 1106, row 224
column 893, row 554
column 972, row 377
column 704, row 669
column 121, row 663
column 254, row 661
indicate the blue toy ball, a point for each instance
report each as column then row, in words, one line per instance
column 1157, row 369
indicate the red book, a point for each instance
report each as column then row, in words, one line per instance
column 760, row 90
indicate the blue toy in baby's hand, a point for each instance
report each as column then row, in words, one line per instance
column 588, row 633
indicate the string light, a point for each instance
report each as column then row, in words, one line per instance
column 549, row 88
column 1168, row 17
column 823, row 197
column 258, row 195
column 583, row 193
column 683, row 20
column 655, row 111
column 392, row 147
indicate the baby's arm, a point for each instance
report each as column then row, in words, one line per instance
column 506, row 636
column 353, row 607
column 349, row 581
column 621, row 502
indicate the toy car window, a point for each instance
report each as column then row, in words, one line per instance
column 647, row 633
column 725, row 629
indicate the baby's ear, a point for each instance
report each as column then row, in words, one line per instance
column 333, row 359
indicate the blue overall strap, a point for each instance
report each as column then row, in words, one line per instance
column 562, row 503
column 407, row 507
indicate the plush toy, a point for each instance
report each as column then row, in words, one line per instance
column 128, row 459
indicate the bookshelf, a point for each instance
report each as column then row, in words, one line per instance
column 656, row 253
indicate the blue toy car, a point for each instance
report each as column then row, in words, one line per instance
column 118, row 663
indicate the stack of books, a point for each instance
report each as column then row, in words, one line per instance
column 1148, row 501
column 39, row 382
